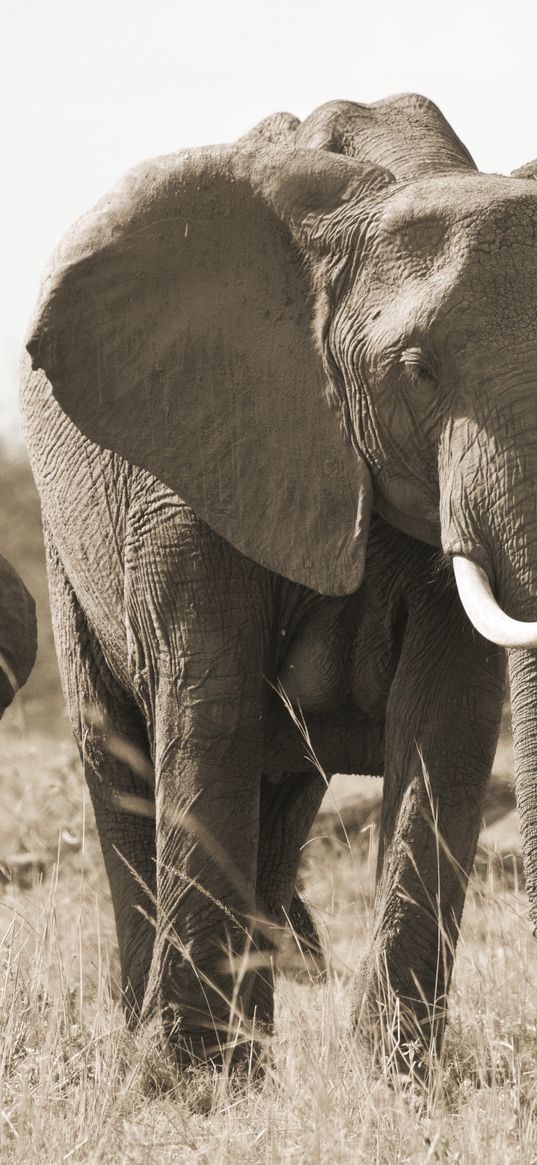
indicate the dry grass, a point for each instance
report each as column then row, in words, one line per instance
column 75, row 1086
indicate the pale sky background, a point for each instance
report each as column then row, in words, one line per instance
column 90, row 87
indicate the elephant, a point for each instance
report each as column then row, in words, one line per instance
column 279, row 401
column 18, row 634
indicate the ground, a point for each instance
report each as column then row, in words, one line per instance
column 76, row 1087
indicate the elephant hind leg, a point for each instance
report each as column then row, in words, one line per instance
column 112, row 741
column 287, row 811
column 304, row 929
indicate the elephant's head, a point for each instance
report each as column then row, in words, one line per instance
column 437, row 335
column 322, row 318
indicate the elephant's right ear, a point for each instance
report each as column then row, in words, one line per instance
column 176, row 329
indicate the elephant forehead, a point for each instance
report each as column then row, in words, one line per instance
column 449, row 245
column 459, row 210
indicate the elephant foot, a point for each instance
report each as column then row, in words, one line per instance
column 227, row 1027
column 402, row 1032
column 240, row 1050
column 217, row 1011
column 167, row 1062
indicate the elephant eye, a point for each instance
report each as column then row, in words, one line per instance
column 418, row 368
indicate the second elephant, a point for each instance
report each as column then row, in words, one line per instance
column 18, row 633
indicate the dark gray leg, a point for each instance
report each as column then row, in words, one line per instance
column 110, row 734
column 198, row 625
column 287, row 812
column 441, row 731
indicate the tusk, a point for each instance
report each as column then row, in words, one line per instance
column 475, row 593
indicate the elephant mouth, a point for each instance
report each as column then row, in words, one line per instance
column 484, row 612
column 425, row 529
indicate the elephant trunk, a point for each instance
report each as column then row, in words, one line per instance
column 489, row 528
column 488, row 488
column 523, row 684
column 520, row 638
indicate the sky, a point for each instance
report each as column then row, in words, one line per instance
column 90, row 87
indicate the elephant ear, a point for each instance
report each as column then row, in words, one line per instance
column 177, row 329
column 407, row 134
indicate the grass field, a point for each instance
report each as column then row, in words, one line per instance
column 76, row 1087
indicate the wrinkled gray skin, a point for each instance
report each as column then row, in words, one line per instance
column 190, row 334
column 18, row 634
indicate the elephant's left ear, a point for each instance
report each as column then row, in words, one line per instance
column 177, row 328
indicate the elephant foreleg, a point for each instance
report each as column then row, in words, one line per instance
column 197, row 630
column 441, row 731
column 207, row 793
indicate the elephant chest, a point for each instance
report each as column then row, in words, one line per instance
column 316, row 710
column 313, row 672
